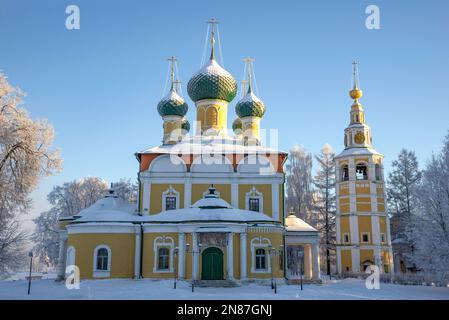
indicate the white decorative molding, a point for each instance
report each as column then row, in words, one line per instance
column 71, row 255
column 170, row 192
column 254, row 193
column 102, row 273
column 163, row 242
column 260, row 243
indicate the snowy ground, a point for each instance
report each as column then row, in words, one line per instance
column 147, row 289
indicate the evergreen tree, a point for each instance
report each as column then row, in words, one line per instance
column 403, row 182
column 324, row 182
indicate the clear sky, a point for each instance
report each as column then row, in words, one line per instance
column 99, row 86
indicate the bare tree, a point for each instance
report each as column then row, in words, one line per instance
column 25, row 156
column 324, row 202
column 299, row 183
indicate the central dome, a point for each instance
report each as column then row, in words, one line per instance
column 212, row 82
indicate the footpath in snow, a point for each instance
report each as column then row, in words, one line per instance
column 163, row 290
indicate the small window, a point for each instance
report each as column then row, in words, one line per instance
column 361, row 172
column 163, row 259
column 378, row 172
column 346, row 238
column 383, row 238
column 254, row 204
column 102, row 259
column 261, row 259
column 344, row 173
column 365, row 237
column 170, row 203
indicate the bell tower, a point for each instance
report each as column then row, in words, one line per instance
column 362, row 223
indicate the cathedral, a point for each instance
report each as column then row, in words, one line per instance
column 211, row 204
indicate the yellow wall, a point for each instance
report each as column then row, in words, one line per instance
column 148, row 255
column 366, row 254
column 267, row 196
column 380, row 205
column 362, row 188
column 365, row 226
column 363, row 204
column 156, row 196
column 199, row 189
column 344, row 227
column 122, row 253
column 276, row 239
column 346, row 261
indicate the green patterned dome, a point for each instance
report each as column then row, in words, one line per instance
column 237, row 125
column 250, row 106
column 172, row 105
column 185, row 125
column 212, row 82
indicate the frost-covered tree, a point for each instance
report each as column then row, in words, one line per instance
column 402, row 185
column 431, row 252
column 68, row 200
column 299, row 183
column 26, row 156
column 324, row 202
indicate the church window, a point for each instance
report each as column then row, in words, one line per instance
column 170, row 199
column 344, row 173
column 254, row 200
column 102, row 263
column 254, row 204
column 346, row 238
column 361, row 172
column 378, row 172
column 170, row 203
column 261, row 258
column 163, row 259
column 365, row 237
column 383, row 238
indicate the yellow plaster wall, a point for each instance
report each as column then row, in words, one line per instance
column 362, row 188
column 344, row 189
column 366, row 254
column 380, row 204
column 346, row 260
column 122, row 253
column 267, row 196
column 276, row 239
column 148, row 255
column 363, row 204
column 156, row 196
column 344, row 227
column 365, row 226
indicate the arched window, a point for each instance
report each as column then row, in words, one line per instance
column 361, row 171
column 261, row 257
column 102, row 259
column 163, row 259
column 344, row 173
column 378, row 170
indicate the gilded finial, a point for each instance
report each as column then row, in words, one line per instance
column 212, row 22
column 249, row 61
column 172, row 60
column 355, row 93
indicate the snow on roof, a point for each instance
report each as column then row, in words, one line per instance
column 109, row 208
column 293, row 223
column 358, row 152
column 209, row 145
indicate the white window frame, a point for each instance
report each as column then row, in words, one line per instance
column 170, row 192
column 163, row 242
column 254, row 193
column 365, row 178
column 260, row 243
column 369, row 237
column 344, row 236
column 102, row 273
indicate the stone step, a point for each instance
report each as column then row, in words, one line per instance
column 216, row 283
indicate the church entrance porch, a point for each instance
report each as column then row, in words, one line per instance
column 212, row 264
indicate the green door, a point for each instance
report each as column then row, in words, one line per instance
column 212, row 264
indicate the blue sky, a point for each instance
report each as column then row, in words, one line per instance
column 99, row 86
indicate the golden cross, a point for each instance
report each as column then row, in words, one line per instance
column 172, row 60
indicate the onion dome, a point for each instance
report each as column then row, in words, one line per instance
column 237, row 125
column 172, row 105
column 250, row 106
column 185, row 125
column 355, row 93
column 212, row 81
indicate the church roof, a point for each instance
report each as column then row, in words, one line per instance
column 293, row 223
column 358, row 151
